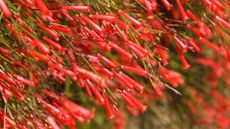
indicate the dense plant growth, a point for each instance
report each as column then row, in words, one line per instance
column 66, row 63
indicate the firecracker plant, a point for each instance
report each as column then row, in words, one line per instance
column 64, row 63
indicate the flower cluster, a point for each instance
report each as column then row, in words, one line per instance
column 113, row 51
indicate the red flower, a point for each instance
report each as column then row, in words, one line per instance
column 6, row 11
column 170, row 76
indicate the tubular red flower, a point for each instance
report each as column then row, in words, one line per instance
column 136, row 51
column 131, row 19
column 140, row 51
column 51, row 95
column 41, row 46
column 135, row 84
column 138, row 71
column 38, row 56
column 124, row 82
column 6, row 11
column 196, row 31
column 193, row 17
column 46, row 13
column 217, row 3
column 104, row 45
column 148, row 5
column 107, row 61
column 194, row 45
column 81, row 82
column 49, row 31
column 103, row 17
column 154, row 4
column 207, row 3
column 132, row 110
column 205, row 61
column 30, row 3
column 180, row 44
column 183, row 60
column 59, row 76
column 91, row 33
column 6, row 91
column 4, row 50
column 108, row 108
column 97, row 28
column 50, row 108
column 99, row 97
column 123, row 25
column 42, row 6
column 78, row 8
column 167, row 4
column 209, row 44
column 170, row 76
column 223, row 22
column 163, row 54
column 121, row 51
column 79, row 118
column 61, row 69
column 214, row 6
column 66, row 30
column 67, row 15
column 123, row 36
column 228, row 54
column 7, row 78
column 23, row 80
column 54, row 44
column 24, row 25
column 90, row 75
column 119, row 121
column 158, row 89
column 138, row 104
column 88, row 91
column 77, row 109
column 182, row 12
column 71, row 55
column 50, row 120
column 127, row 100
column 108, row 73
column 155, row 23
column 70, row 106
